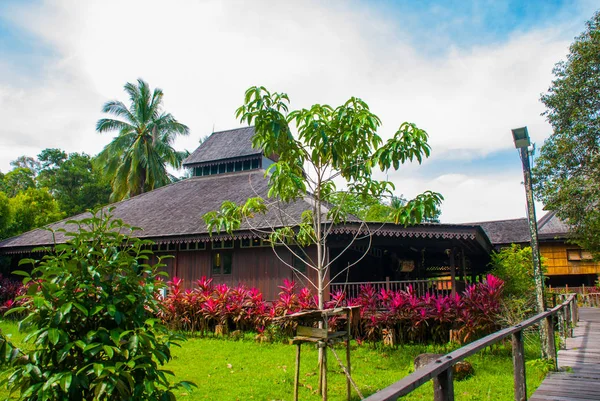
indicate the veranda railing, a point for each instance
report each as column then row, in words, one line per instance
column 420, row 287
column 440, row 370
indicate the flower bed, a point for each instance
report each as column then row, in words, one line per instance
column 397, row 316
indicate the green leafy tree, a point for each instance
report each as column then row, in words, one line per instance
column 568, row 168
column 31, row 209
column 333, row 145
column 514, row 266
column 73, row 181
column 5, row 216
column 28, row 163
column 137, row 158
column 92, row 331
column 18, row 180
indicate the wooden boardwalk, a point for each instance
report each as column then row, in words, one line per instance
column 581, row 380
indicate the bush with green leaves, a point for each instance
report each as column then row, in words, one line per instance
column 91, row 309
column 514, row 265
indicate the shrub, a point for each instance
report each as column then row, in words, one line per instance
column 514, row 265
column 91, row 320
column 427, row 318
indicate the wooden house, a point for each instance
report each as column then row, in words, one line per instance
column 566, row 263
column 226, row 167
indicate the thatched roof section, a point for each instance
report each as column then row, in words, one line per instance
column 551, row 227
column 224, row 145
column 504, row 232
column 176, row 210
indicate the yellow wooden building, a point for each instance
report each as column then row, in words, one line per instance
column 566, row 263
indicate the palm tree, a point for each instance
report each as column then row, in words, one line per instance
column 137, row 158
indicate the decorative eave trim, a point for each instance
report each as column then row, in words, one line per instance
column 402, row 232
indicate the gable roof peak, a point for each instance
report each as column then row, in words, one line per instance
column 224, row 145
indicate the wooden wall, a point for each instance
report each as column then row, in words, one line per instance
column 255, row 267
column 554, row 256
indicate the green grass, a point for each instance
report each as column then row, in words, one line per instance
column 245, row 370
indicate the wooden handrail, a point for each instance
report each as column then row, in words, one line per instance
column 441, row 369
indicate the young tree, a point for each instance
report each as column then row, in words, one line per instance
column 332, row 157
column 136, row 160
column 568, row 168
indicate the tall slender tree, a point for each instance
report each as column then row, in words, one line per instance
column 136, row 160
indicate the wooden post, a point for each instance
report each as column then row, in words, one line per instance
column 573, row 314
column 324, row 375
column 443, row 386
column 452, row 272
column 348, row 367
column 567, row 310
column 387, row 283
column 561, row 327
column 518, row 351
column 297, row 377
column 463, row 267
column 551, row 341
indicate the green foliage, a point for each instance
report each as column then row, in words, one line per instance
column 73, row 181
column 91, row 329
column 18, row 180
column 568, row 168
column 514, row 265
column 32, row 208
column 332, row 146
column 5, row 215
column 137, row 158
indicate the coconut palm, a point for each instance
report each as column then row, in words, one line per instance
column 137, row 158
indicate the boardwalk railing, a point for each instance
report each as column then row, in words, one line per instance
column 591, row 299
column 440, row 370
column 420, row 287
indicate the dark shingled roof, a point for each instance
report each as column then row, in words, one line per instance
column 502, row 232
column 550, row 226
column 229, row 144
column 176, row 210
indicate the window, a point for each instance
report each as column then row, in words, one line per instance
column 576, row 255
column 221, row 263
column 255, row 163
column 192, row 246
column 164, row 247
column 298, row 264
column 222, row 168
column 223, row 244
column 253, row 242
column 229, row 167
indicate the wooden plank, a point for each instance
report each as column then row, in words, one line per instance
column 582, row 354
column 305, row 331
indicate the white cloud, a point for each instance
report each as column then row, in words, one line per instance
column 205, row 54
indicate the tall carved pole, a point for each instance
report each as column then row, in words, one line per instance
column 538, row 275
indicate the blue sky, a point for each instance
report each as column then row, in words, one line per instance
column 466, row 71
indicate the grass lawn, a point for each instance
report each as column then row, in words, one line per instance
column 245, row 370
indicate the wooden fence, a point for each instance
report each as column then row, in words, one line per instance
column 420, row 287
column 440, row 370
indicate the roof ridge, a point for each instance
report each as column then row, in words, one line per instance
column 546, row 218
column 494, row 221
column 233, row 129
